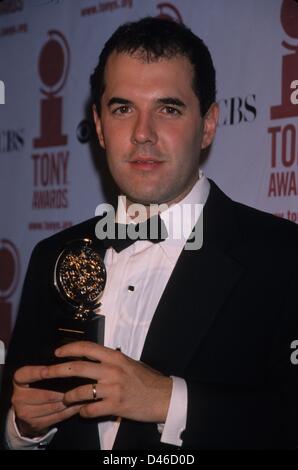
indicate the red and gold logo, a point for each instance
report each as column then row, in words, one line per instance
column 283, row 179
column 53, row 67
column 50, row 167
column 289, row 21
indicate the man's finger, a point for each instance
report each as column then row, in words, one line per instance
column 88, row 392
column 48, row 421
column 93, row 351
column 99, row 408
column 85, row 369
column 35, row 396
column 27, row 375
column 39, row 411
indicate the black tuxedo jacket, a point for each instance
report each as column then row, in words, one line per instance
column 225, row 323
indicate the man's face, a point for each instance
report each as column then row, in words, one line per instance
column 151, row 127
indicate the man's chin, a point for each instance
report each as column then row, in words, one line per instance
column 145, row 199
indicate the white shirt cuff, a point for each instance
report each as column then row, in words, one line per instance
column 15, row 441
column 177, row 413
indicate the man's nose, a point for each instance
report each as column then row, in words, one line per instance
column 144, row 130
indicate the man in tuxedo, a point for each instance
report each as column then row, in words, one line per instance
column 197, row 347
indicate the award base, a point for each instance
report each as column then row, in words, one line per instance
column 69, row 331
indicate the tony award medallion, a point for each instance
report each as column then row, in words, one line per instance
column 79, row 279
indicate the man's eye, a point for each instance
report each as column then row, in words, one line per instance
column 124, row 109
column 171, row 110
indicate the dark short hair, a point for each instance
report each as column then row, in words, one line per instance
column 156, row 38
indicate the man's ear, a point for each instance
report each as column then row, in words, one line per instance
column 98, row 127
column 210, row 125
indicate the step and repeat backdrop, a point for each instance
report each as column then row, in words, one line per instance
column 49, row 160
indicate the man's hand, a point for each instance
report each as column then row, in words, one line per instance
column 124, row 387
column 37, row 410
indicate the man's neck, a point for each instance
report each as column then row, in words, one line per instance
column 151, row 209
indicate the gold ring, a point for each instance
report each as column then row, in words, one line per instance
column 94, row 391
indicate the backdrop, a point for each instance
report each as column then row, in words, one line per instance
column 49, row 161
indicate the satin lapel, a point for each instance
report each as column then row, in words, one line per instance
column 199, row 285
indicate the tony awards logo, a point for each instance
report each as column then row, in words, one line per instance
column 9, row 277
column 289, row 21
column 53, row 67
column 283, row 178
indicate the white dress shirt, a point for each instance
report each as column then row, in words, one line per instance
column 136, row 279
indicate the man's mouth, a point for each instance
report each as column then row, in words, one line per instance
column 147, row 163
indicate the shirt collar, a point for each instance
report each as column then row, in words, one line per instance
column 181, row 217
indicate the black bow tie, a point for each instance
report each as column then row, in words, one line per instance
column 152, row 229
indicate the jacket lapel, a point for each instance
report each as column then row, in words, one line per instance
column 198, row 286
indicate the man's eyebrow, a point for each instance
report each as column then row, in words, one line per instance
column 118, row 100
column 172, row 101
